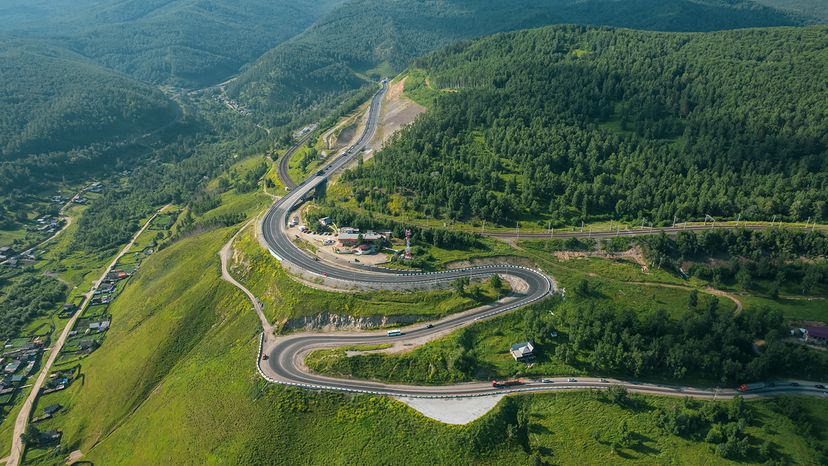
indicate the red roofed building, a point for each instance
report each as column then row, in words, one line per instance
column 816, row 335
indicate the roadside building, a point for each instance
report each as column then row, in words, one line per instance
column 366, row 249
column 523, row 351
column 350, row 237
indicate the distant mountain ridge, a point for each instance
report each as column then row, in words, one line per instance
column 189, row 43
column 370, row 38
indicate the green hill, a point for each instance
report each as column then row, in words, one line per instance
column 64, row 116
column 55, row 100
column 564, row 124
column 373, row 38
column 187, row 43
column 817, row 9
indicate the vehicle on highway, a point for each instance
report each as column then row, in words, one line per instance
column 320, row 173
column 547, row 381
column 746, row 387
column 603, row 380
column 430, row 326
column 394, row 333
column 571, row 380
column 794, row 384
column 819, row 386
column 506, row 383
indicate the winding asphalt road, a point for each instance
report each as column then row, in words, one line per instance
column 281, row 359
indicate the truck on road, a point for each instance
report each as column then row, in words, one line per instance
column 394, row 333
column 506, row 383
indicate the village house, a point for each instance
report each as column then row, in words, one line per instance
column 816, row 335
column 12, row 367
column 52, row 409
column 522, row 351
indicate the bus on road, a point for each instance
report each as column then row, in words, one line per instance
column 394, row 333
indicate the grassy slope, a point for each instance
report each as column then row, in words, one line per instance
column 177, row 372
column 285, row 298
column 158, row 393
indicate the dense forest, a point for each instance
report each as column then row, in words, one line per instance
column 188, row 43
column 372, row 38
column 566, row 124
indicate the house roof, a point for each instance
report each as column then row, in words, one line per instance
column 522, row 349
column 817, row 332
column 52, row 408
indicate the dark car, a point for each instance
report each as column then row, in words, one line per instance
column 430, row 326
column 794, row 384
column 770, row 385
column 820, row 386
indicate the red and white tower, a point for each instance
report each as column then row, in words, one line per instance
column 407, row 245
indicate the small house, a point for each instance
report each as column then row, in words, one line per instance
column 523, row 351
column 50, row 436
column 817, row 335
column 12, row 367
column 52, row 409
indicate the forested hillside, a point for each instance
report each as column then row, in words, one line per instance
column 54, row 100
column 565, row 124
column 61, row 111
column 371, row 38
column 188, row 43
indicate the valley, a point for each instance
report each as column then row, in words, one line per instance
column 461, row 232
